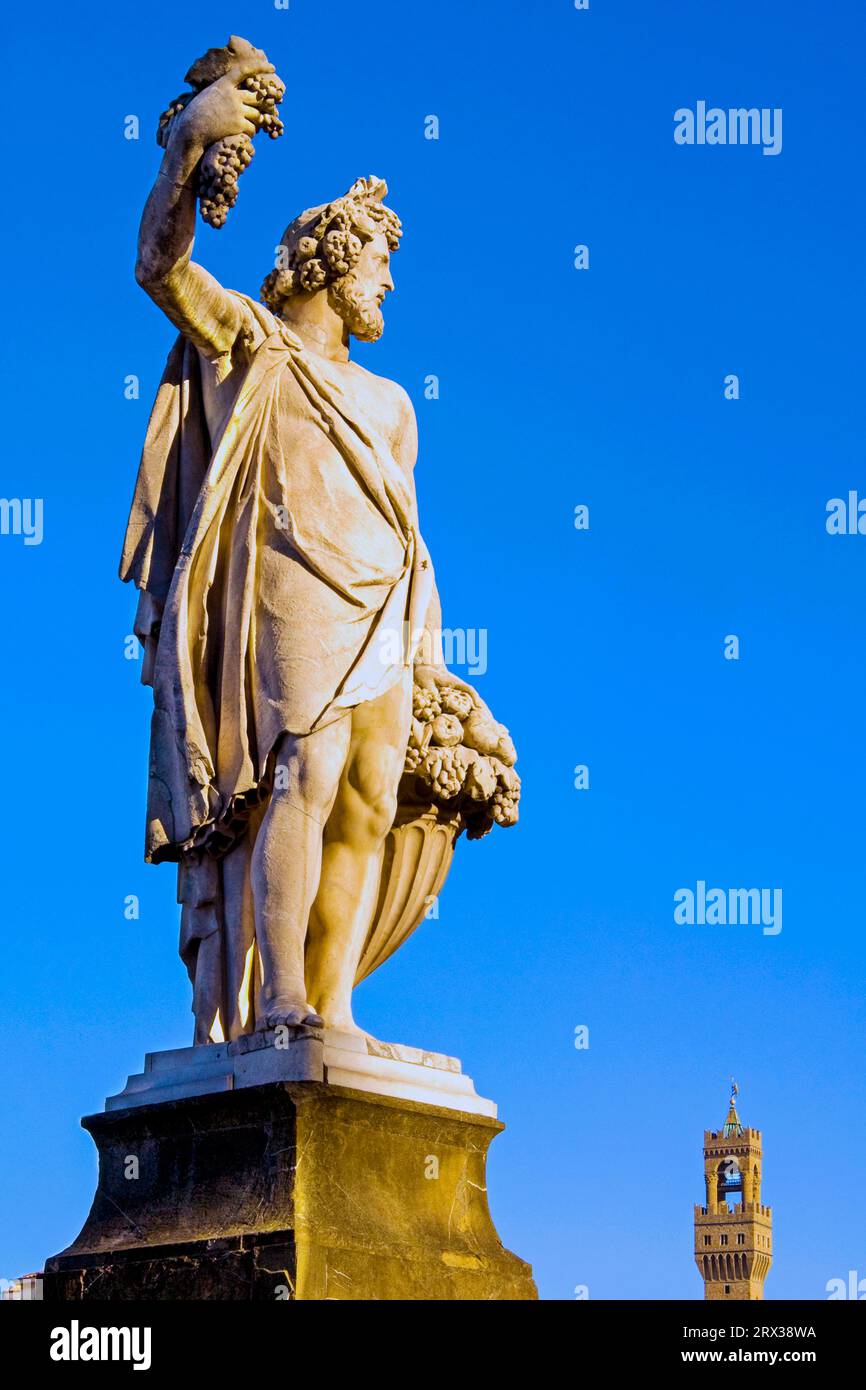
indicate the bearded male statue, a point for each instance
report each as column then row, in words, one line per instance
column 288, row 604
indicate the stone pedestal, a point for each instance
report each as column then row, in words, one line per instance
column 232, row 1182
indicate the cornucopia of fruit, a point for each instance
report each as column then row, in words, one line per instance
column 460, row 758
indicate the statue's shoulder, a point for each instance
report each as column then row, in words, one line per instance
column 398, row 398
column 391, row 408
column 253, row 324
column 257, row 320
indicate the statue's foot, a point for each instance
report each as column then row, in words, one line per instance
column 346, row 1024
column 288, row 1015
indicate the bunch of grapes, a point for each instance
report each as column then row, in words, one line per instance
column 425, row 704
column 504, row 808
column 412, row 761
column 225, row 160
column 504, row 802
column 173, row 109
column 220, row 169
column 444, row 770
column 267, row 92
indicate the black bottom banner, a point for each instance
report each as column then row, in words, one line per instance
column 216, row 1339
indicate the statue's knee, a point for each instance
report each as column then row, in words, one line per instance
column 306, row 773
column 379, row 815
column 373, row 778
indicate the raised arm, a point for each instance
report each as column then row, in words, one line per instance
column 191, row 298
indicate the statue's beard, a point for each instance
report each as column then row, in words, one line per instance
column 360, row 313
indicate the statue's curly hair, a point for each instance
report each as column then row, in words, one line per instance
column 324, row 243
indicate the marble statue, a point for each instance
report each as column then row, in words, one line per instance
column 312, row 759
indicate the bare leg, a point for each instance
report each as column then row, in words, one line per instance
column 362, row 815
column 286, row 865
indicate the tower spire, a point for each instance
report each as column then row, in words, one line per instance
column 732, row 1123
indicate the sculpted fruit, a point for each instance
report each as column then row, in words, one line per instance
column 483, row 733
column 447, row 730
column 444, row 769
column 480, row 781
column 425, row 703
column 460, row 755
column 457, row 702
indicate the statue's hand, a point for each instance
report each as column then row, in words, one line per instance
column 222, row 109
column 428, row 677
column 481, row 730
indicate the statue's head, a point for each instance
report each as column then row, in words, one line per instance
column 341, row 249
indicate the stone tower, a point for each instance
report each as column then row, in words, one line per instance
column 733, row 1232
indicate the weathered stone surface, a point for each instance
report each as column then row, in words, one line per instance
column 289, row 1191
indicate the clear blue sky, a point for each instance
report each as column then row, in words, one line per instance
column 558, row 387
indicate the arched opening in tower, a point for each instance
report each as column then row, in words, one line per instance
column 729, row 1183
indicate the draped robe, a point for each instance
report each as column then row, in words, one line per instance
column 283, row 581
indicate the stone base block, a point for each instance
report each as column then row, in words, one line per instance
column 289, row 1190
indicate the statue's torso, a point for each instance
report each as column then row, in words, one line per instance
column 381, row 403
column 330, row 553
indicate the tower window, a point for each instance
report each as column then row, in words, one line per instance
column 727, row 1288
column 741, row 1239
column 708, row 1240
column 724, row 1240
